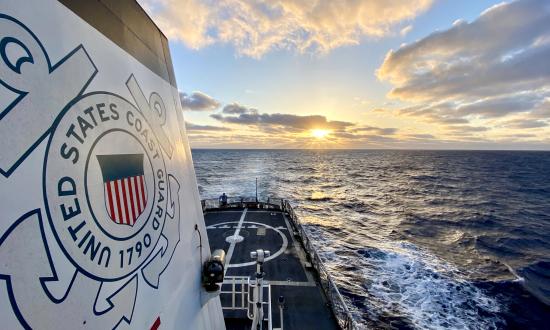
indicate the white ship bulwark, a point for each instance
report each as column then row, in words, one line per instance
column 101, row 224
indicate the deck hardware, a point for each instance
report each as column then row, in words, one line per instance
column 310, row 261
column 213, row 271
column 259, row 256
column 281, row 302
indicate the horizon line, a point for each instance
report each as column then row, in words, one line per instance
column 373, row 149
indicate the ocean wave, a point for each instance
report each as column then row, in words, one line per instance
column 469, row 217
column 425, row 291
column 536, row 279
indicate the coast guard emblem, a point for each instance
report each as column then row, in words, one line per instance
column 124, row 194
column 107, row 216
column 124, row 183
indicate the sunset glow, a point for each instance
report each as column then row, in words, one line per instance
column 319, row 133
column 418, row 74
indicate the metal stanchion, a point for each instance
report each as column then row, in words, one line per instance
column 258, row 255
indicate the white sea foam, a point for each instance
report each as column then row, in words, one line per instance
column 429, row 293
column 513, row 272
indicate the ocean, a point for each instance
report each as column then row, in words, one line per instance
column 413, row 239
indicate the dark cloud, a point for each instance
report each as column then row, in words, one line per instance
column 365, row 138
column 532, row 105
column 441, row 113
column 290, row 121
column 542, row 111
column 375, row 130
column 347, row 135
column 198, row 101
column 442, row 119
column 278, row 126
column 522, row 124
column 195, row 127
column 466, row 129
column 422, row 136
column 519, row 136
column 237, row 109
column 501, row 106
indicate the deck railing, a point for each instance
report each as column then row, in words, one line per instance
column 339, row 307
column 242, row 287
column 236, row 287
column 239, row 202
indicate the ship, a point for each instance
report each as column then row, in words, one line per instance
column 297, row 290
column 102, row 224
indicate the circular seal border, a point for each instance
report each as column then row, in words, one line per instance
column 50, row 132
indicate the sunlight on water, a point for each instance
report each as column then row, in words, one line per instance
column 414, row 239
column 318, row 195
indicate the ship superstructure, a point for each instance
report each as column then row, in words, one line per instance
column 102, row 225
column 101, row 219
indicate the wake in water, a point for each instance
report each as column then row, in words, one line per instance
column 426, row 292
column 414, row 239
column 405, row 287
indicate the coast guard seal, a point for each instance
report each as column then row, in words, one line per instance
column 105, row 186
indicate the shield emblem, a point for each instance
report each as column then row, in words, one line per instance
column 124, row 187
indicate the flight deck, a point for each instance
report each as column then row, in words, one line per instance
column 290, row 271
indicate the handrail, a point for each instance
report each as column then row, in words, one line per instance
column 337, row 303
column 240, row 202
column 232, row 281
column 268, row 315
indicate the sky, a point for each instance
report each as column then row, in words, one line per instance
column 400, row 74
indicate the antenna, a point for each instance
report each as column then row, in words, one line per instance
column 256, row 190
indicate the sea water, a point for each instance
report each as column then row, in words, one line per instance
column 414, row 239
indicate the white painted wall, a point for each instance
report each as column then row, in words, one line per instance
column 47, row 281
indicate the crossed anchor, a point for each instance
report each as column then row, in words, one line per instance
column 41, row 92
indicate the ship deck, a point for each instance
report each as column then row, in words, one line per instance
column 287, row 270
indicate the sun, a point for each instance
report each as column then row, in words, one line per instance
column 319, row 133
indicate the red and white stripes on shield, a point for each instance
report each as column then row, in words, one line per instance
column 126, row 199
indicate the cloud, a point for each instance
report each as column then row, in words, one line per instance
column 198, row 101
column 523, row 124
column 422, row 136
column 465, row 129
column 501, row 106
column 365, row 138
column 235, row 108
column 541, row 111
column 243, row 124
column 491, row 68
column 294, row 131
column 202, row 128
column 257, row 27
column 505, row 50
column 185, row 20
column 375, row 130
column 404, row 31
column 289, row 121
column 519, row 136
column 439, row 113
